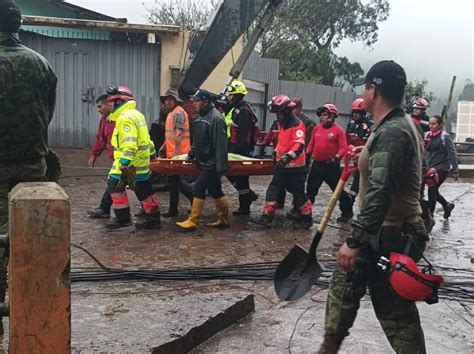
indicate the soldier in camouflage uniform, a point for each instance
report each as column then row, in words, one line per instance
column 390, row 168
column 27, row 99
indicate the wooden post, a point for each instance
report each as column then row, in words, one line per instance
column 39, row 283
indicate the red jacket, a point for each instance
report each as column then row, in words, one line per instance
column 102, row 138
column 326, row 143
column 291, row 137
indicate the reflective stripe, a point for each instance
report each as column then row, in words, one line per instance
column 292, row 154
column 129, row 138
column 120, row 200
column 301, row 141
column 150, row 203
column 142, row 168
column 129, row 153
column 144, row 147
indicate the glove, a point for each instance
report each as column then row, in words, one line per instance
column 190, row 157
column 132, row 177
column 285, row 160
column 120, row 187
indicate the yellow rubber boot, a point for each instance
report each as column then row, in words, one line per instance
column 222, row 206
column 192, row 222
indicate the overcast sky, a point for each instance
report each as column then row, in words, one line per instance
column 432, row 39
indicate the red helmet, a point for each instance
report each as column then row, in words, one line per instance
column 298, row 101
column 421, row 103
column 280, row 103
column 431, row 177
column 119, row 93
column 328, row 107
column 407, row 280
column 358, row 105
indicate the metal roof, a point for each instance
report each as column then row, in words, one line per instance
column 105, row 25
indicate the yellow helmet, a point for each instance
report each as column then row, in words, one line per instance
column 237, row 87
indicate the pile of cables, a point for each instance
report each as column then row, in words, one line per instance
column 458, row 286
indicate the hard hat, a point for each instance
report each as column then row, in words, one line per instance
column 407, row 281
column 119, row 93
column 328, row 107
column 280, row 103
column 237, row 87
column 421, row 103
column 431, row 177
column 358, row 105
column 298, row 101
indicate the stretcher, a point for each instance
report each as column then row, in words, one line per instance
column 243, row 166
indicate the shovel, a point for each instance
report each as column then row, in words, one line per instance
column 299, row 270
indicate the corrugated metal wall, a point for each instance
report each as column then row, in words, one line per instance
column 85, row 68
column 267, row 71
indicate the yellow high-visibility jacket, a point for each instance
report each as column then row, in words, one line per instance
column 131, row 141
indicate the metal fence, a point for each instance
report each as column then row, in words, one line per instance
column 263, row 74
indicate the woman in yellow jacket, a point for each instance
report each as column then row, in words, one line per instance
column 132, row 151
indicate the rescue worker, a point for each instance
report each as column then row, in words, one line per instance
column 272, row 138
column 308, row 122
column 357, row 133
column 102, row 142
column 177, row 142
column 209, row 150
column 419, row 114
column 440, row 155
column 421, row 119
column 133, row 150
column 290, row 159
column 27, row 100
column 243, row 129
column 390, row 170
column 327, row 146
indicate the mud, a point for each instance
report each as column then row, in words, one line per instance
column 275, row 327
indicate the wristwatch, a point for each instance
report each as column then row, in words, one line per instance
column 353, row 242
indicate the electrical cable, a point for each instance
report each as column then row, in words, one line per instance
column 456, row 287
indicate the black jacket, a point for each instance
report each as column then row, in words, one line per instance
column 210, row 141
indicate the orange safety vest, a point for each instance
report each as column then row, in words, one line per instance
column 172, row 147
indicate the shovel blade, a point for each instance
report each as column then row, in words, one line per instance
column 296, row 274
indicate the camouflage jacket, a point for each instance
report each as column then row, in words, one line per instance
column 27, row 99
column 390, row 168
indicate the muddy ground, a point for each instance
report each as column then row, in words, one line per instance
column 275, row 327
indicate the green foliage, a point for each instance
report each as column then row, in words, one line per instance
column 305, row 33
column 414, row 90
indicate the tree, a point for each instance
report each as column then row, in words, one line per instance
column 189, row 15
column 467, row 93
column 305, row 33
column 414, row 90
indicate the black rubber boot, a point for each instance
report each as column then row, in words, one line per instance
column 122, row 219
column 293, row 214
column 264, row 220
column 331, row 344
column 448, row 208
column 98, row 213
column 304, row 222
column 244, row 205
column 151, row 220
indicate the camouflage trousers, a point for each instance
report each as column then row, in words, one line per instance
column 11, row 175
column 398, row 317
